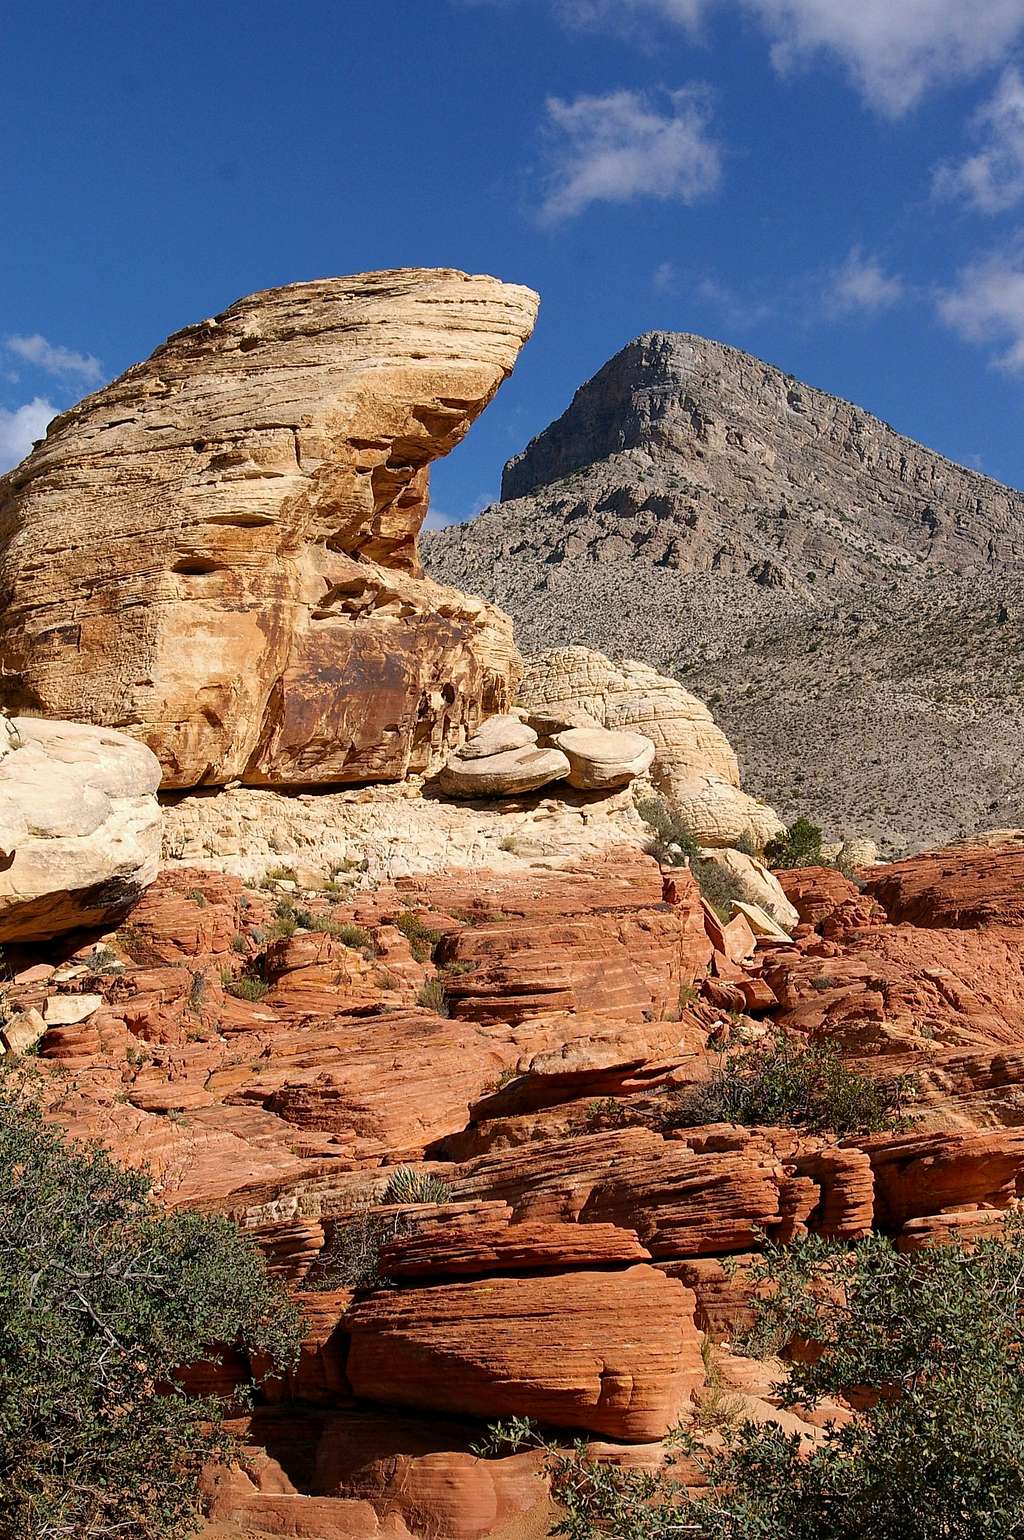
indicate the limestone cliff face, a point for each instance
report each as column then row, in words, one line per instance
column 703, row 458
column 217, row 552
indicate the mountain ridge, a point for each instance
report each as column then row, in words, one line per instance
column 729, row 523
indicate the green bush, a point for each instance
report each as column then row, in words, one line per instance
column 422, row 939
column 930, row 1343
column 246, row 987
column 783, row 1082
column 354, row 936
column 434, row 997
column 102, row 1297
column 800, row 845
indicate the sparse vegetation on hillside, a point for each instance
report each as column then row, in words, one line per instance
column 929, row 1340
column 784, row 1082
column 102, row 1297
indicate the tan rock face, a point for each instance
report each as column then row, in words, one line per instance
column 231, row 528
column 694, row 765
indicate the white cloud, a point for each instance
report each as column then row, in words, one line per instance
column 894, row 50
column 992, row 179
column 862, row 284
column 589, row 13
column 987, row 305
column 619, row 147
column 20, row 427
column 665, row 278
column 55, row 359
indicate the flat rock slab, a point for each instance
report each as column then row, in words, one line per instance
column 69, row 1010
column 504, row 775
column 496, row 736
column 599, row 758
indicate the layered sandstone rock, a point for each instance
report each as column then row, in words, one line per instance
column 79, row 826
column 381, row 833
column 616, row 1352
column 230, row 531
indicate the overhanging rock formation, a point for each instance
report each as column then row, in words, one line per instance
column 217, row 552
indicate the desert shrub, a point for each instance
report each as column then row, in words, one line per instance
column 103, row 1295
column 800, row 845
column 351, row 1258
column 246, row 987
column 929, row 1340
column 434, row 997
column 408, row 1186
column 674, row 845
column 354, row 936
column 785, row 1082
column 422, row 939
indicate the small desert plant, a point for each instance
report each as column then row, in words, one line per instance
column 355, row 936
column 800, row 845
column 408, row 1186
column 716, row 1407
column 422, row 940
column 198, row 898
column 351, row 1258
column 247, row 986
column 240, row 945
column 605, row 1112
column 434, row 997
column 196, row 991
column 784, row 1083
column 674, row 845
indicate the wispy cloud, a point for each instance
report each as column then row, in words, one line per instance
column 992, row 179
column 437, row 519
column 665, row 278
column 20, row 427
column 63, row 362
column 624, row 146
column 860, row 284
column 894, row 51
column 623, row 13
column 986, row 305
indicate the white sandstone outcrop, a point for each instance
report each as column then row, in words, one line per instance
column 79, row 827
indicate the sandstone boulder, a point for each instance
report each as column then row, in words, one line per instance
column 719, row 814
column 694, row 765
column 629, row 697
column 762, row 886
column 504, row 775
column 230, row 533
column 616, row 1353
column 79, row 825
column 497, row 736
column 599, row 758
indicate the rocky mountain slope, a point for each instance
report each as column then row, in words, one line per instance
column 849, row 602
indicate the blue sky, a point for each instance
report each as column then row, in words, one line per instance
column 835, row 185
